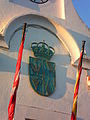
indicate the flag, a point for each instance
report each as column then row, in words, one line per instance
column 76, row 88
column 11, row 107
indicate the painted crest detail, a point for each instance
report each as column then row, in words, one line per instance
column 42, row 72
column 39, row 1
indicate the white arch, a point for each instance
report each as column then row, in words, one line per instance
column 64, row 36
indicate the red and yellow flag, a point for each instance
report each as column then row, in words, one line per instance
column 76, row 88
column 11, row 107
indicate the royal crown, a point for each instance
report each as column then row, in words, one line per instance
column 42, row 50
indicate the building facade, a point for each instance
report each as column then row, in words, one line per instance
column 58, row 24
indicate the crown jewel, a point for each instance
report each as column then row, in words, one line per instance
column 42, row 50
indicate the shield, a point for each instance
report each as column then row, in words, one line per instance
column 42, row 76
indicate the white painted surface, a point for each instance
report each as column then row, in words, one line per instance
column 10, row 9
column 45, row 23
column 26, row 96
column 29, row 104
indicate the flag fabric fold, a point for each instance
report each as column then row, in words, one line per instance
column 11, row 106
column 76, row 88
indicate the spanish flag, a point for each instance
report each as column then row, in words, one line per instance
column 11, row 107
column 76, row 88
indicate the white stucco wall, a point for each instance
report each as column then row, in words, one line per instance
column 62, row 12
column 29, row 104
column 53, row 9
column 26, row 95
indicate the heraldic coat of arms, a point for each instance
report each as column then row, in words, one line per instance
column 42, row 72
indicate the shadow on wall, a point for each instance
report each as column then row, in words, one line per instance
column 78, row 118
column 52, row 1
column 8, row 63
column 78, row 37
column 62, row 63
column 26, row 3
column 29, row 4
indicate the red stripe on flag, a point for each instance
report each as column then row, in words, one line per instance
column 11, row 107
column 73, row 117
column 76, row 88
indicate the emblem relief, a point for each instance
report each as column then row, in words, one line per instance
column 42, row 71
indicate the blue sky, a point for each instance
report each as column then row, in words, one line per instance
column 83, row 9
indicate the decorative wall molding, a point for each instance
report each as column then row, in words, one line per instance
column 59, row 31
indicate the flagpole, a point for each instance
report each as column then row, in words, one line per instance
column 76, row 88
column 23, row 32
column 12, row 102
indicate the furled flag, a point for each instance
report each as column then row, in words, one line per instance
column 76, row 88
column 11, row 107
